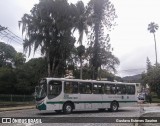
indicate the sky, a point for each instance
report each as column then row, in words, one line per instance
column 130, row 39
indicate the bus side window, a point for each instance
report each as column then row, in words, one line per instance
column 130, row 89
column 121, row 89
column 75, row 87
column 94, row 88
column 113, row 89
column 109, row 89
column 71, row 87
column 98, row 88
column 85, row 88
column 118, row 90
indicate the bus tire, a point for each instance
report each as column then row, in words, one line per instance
column 114, row 106
column 67, row 108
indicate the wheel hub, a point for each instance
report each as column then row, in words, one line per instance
column 68, row 108
column 114, row 107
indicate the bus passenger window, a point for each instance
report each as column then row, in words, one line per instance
column 121, row 89
column 118, row 90
column 85, row 88
column 98, row 88
column 75, row 88
column 88, row 89
column 109, row 89
column 113, row 89
column 71, row 87
column 130, row 89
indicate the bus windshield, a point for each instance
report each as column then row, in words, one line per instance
column 41, row 90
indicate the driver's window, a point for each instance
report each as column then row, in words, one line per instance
column 54, row 89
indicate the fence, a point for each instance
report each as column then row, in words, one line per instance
column 16, row 98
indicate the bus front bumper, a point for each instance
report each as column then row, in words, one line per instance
column 41, row 107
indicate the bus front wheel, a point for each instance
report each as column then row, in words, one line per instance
column 67, row 108
column 114, row 106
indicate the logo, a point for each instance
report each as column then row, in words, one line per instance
column 21, row 120
column 6, row 120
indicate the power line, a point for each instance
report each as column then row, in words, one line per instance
column 5, row 33
column 17, row 37
column 9, row 35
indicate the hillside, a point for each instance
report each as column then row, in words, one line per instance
column 134, row 78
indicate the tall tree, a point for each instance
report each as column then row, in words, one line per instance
column 81, row 26
column 152, row 27
column 48, row 27
column 102, row 15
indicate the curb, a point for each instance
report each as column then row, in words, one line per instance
column 148, row 105
column 17, row 108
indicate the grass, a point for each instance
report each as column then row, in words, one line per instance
column 155, row 100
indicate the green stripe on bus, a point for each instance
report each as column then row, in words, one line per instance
column 61, row 102
column 55, row 102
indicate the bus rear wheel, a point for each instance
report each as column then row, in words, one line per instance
column 67, row 108
column 114, row 106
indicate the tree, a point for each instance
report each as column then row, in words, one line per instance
column 152, row 27
column 146, row 75
column 29, row 74
column 149, row 65
column 7, row 80
column 102, row 15
column 48, row 27
column 19, row 59
column 152, row 77
column 7, row 54
column 81, row 26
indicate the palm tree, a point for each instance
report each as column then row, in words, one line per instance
column 81, row 26
column 152, row 27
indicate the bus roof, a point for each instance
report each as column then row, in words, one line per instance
column 80, row 80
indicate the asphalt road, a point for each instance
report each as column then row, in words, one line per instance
column 80, row 118
column 83, row 118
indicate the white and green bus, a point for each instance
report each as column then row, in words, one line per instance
column 60, row 94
